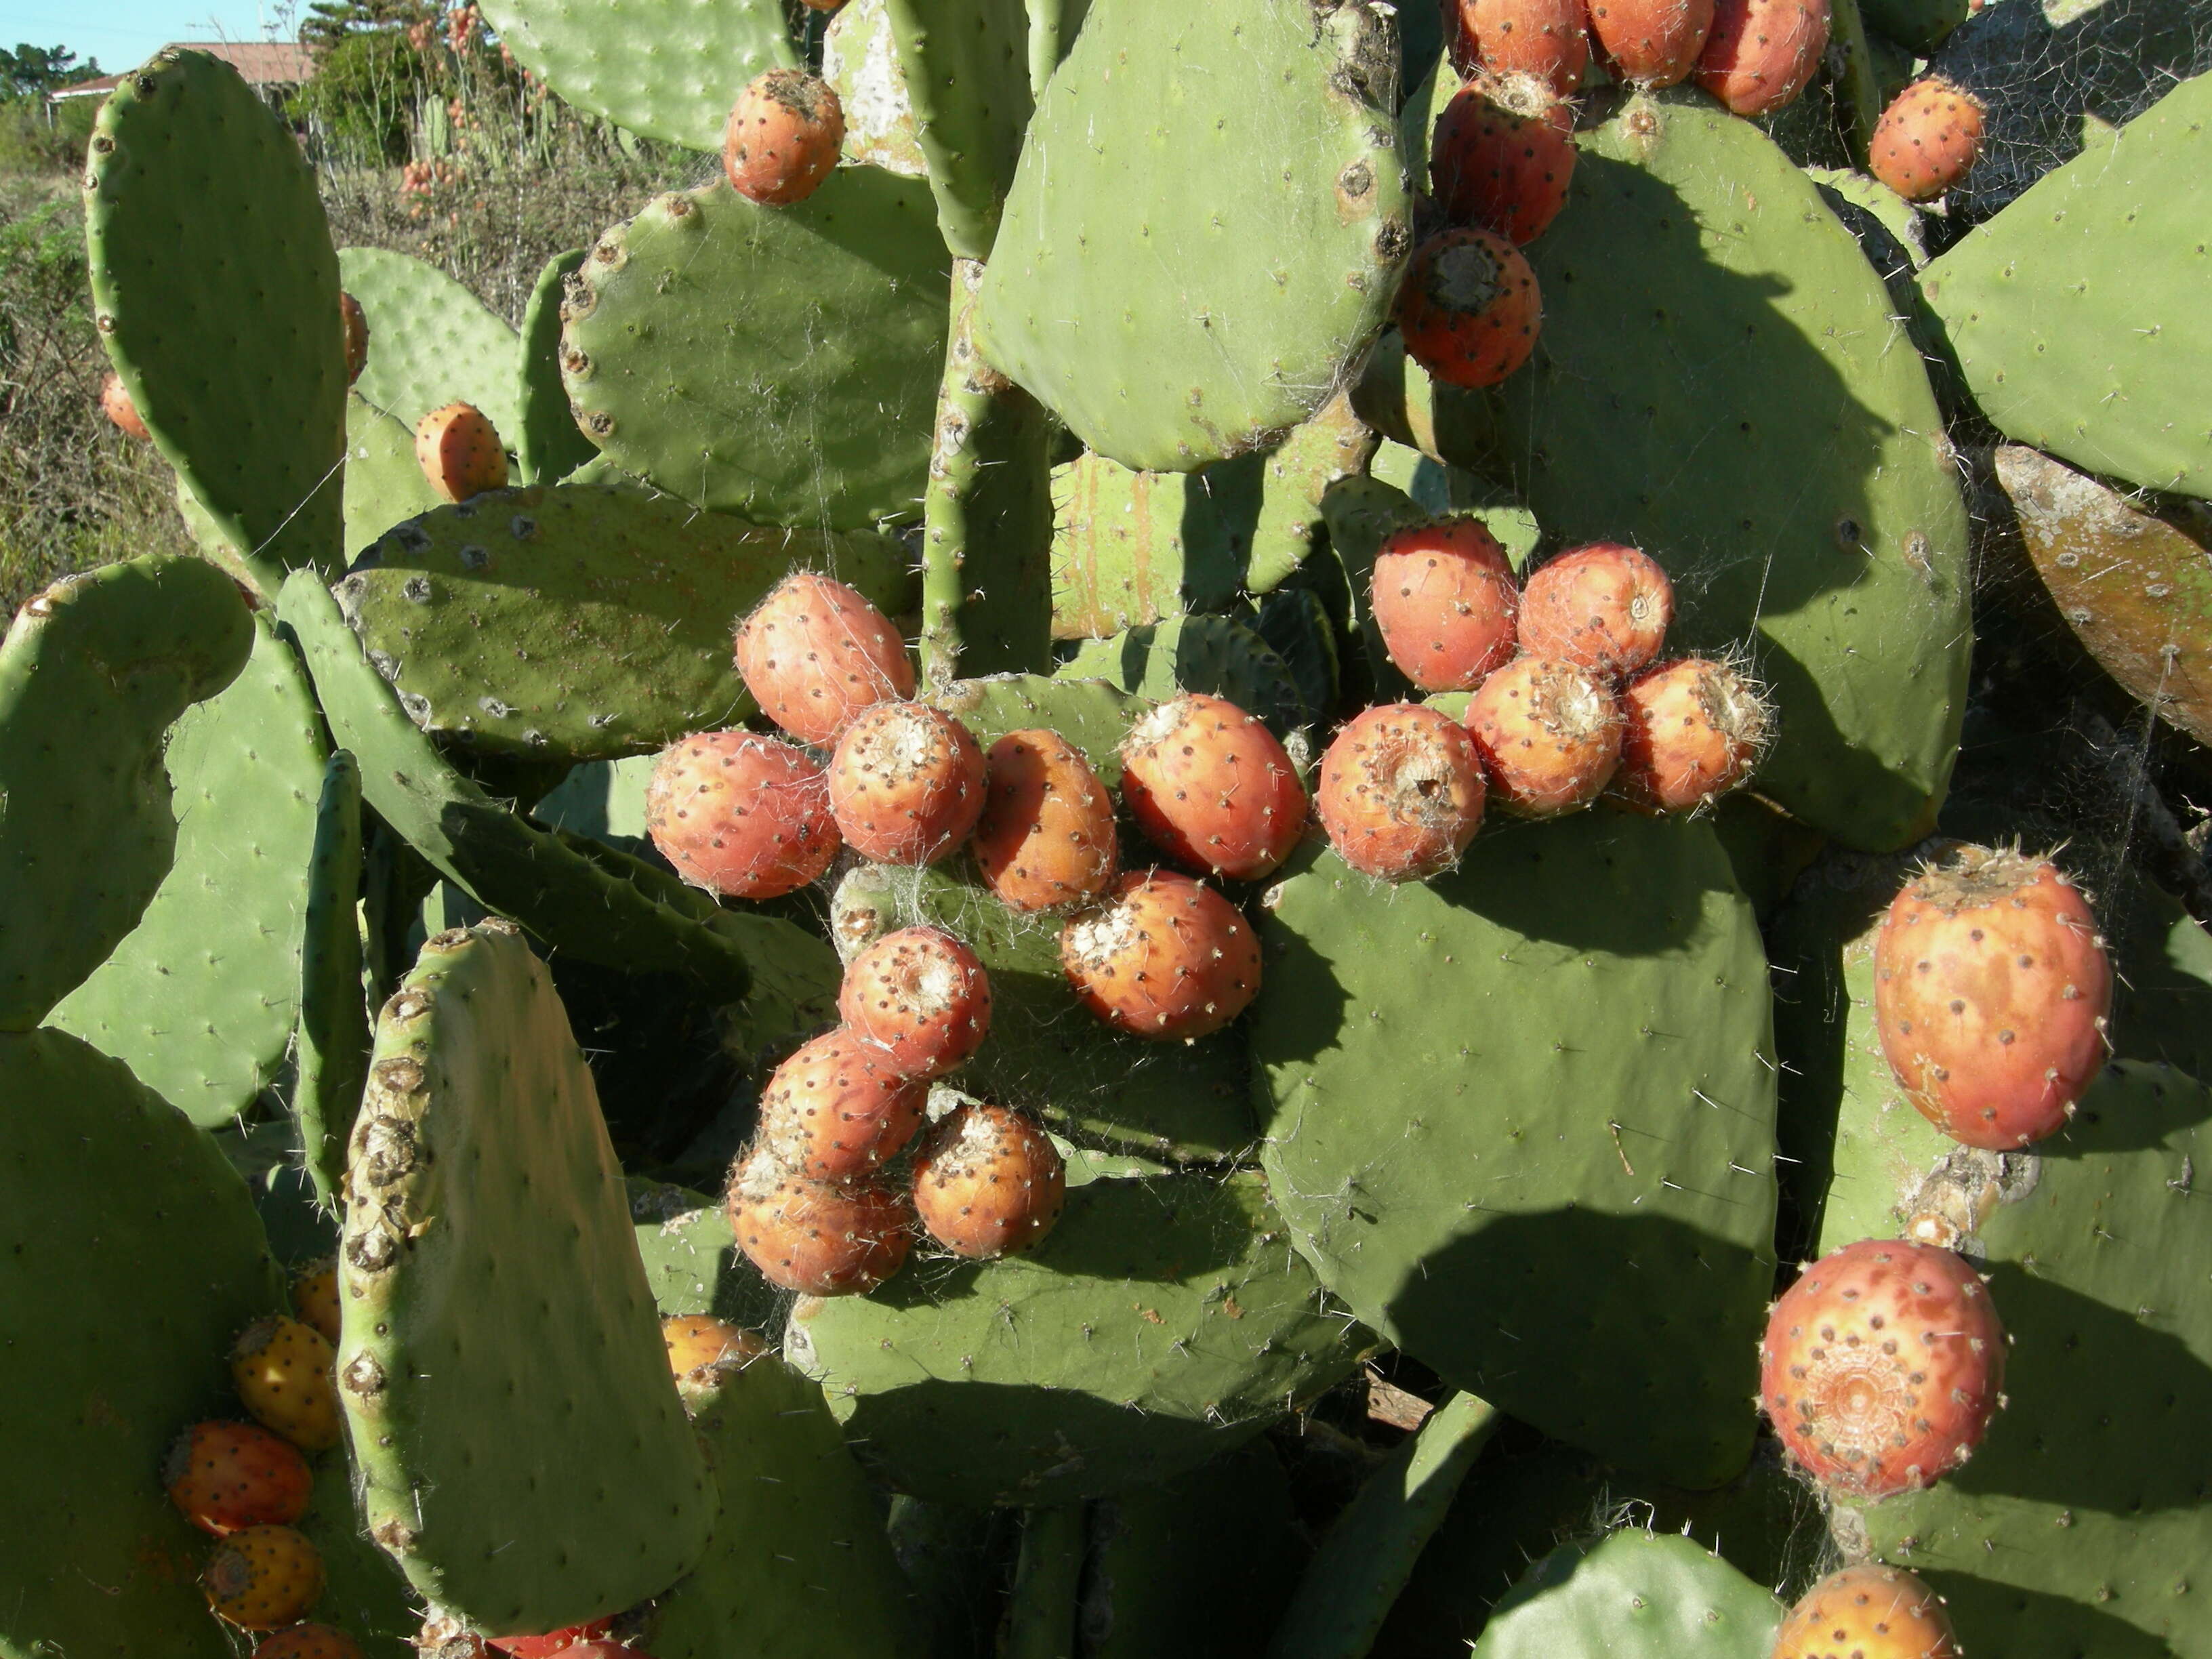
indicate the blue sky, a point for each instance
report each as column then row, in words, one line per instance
column 123, row 34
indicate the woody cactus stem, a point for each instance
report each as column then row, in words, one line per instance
column 962, row 401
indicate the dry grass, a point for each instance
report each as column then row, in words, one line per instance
column 517, row 179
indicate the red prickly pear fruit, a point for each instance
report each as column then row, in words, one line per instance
column 1882, row 1366
column 1046, row 836
column 1927, row 140
column 1444, row 598
column 1760, row 53
column 1502, row 156
column 1401, row 791
column 837, row 1109
column 821, row 1237
column 572, row 1642
column 281, row 1370
column 1604, row 606
column 1694, row 729
column 815, row 653
column 906, row 785
column 315, row 1296
column 1652, row 43
column 1547, row 38
column 353, row 327
column 309, row 1642
column 223, row 1476
column 1163, row 958
column 1468, row 309
column 460, row 452
column 1210, row 787
column 1991, row 990
column 1549, row 734
column 987, row 1182
column 263, row 1577
column 700, row 1342
column 919, row 997
column 782, row 138
column 1868, row 1611
column 741, row 815
column 115, row 403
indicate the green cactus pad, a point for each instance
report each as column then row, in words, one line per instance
column 216, row 291
column 800, row 1560
column 92, row 673
column 2079, row 1525
column 199, row 998
column 1217, row 655
column 1131, row 548
column 384, row 480
column 582, row 621
column 2136, row 589
column 1819, row 525
column 1214, row 193
column 2075, row 315
column 1637, row 1596
column 364, row 1595
column 778, row 362
column 580, row 896
column 1159, row 1322
column 663, row 68
column 117, row 1317
column 691, row 1260
column 1183, row 1103
column 333, row 1038
column 1198, row 1568
column 1371, row 1548
column 547, row 439
column 1486, row 1086
column 430, row 343
column 967, row 74
column 860, row 62
column 496, row 1313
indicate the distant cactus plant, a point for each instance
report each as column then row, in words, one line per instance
column 1056, row 801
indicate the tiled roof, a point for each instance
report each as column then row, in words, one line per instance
column 258, row 63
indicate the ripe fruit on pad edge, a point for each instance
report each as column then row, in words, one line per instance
column 987, row 1182
column 782, row 138
column 282, row 1370
column 1444, row 599
column 906, row 783
column 1549, row 735
column 837, row 1108
column 1760, row 53
column 1695, row 729
column 1603, row 606
column 1163, row 956
column 814, row 653
column 460, row 452
column 1212, row 787
column 1870, row 1610
column 921, row 997
column 740, row 814
column 1882, row 1366
column 1652, row 43
column 226, row 1476
column 263, row 1577
column 825, row 1238
column 1547, row 38
column 1992, row 990
column 1468, row 307
column 1401, row 791
column 1045, row 837
column 1502, row 156
column 1927, row 140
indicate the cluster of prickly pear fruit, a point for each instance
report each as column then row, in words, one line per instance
column 952, row 500
column 248, row 1484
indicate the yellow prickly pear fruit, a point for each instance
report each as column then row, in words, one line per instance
column 281, row 1370
column 263, row 1577
column 315, row 1296
column 697, row 1341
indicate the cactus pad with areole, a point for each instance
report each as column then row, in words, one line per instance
column 487, row 1256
